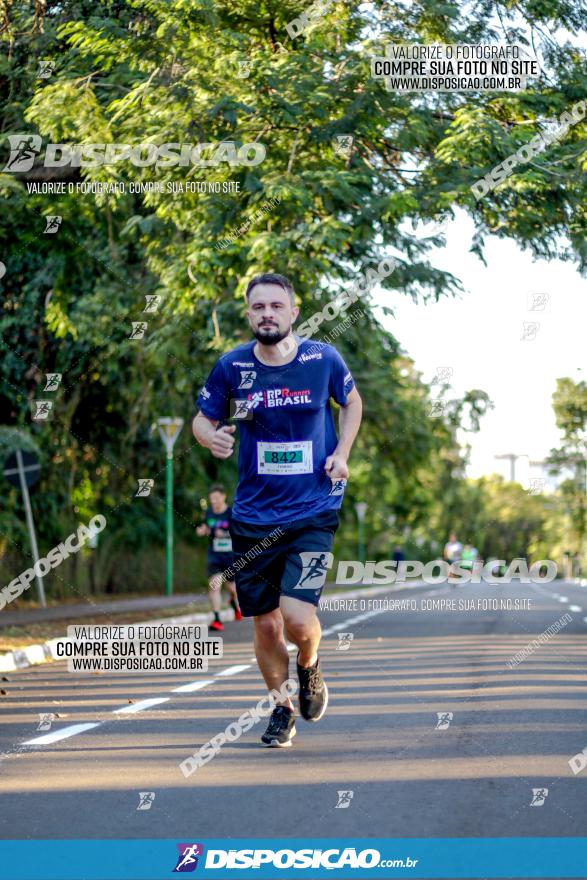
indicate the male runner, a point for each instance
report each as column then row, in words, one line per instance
column 452, row 553
column 292, row 474
column 220, row 555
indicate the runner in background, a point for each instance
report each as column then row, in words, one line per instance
column 220, row 556
column 452, row 553
column 468, row 557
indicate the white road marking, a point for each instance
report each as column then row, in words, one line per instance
column 138, row 707
column 191, row 686
column 353, row 620
column 232, row 670
column 64, row 733
column 133, row 708
column 576, row 608
column 562, row 599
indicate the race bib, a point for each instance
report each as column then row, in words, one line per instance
column 221, row 545
column 285, row 458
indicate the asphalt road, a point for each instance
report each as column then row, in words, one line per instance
column 512, row 730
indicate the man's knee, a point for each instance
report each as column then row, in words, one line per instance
column 215, row 582
column 299, row 628
column 268, row 626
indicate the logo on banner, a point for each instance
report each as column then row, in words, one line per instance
column 187, row 859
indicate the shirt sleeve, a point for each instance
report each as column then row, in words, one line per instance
column 214, row 397
column 341, row 380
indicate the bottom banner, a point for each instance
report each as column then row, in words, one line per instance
column 519, row 857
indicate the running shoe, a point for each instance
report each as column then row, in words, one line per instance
column 313, row 695
column 217, row 625
column 281, row 728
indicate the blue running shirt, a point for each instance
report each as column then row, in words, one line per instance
column 286, row 429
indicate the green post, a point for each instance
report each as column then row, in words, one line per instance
column 169, row 431
column 169, row 530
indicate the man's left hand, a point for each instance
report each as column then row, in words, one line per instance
column 336, row 467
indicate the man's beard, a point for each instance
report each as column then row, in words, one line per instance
column 270, row 335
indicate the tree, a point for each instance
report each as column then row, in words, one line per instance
column 165, row 71
column 570, row 409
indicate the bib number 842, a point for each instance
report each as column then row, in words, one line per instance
column 285, row 457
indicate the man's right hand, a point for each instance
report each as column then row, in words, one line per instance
column 223, row 442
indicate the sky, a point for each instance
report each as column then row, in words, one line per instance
column 480, row 336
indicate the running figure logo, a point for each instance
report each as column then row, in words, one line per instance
column 344, row 641
column 536, row 485
column 444, row 719
column 45, row 720
column 443, row 374
column 539, row 795
column 538, row 302
column 53, row 222
column 144, row 489
column 338, row 487
column 344, row 800
column 343, row 144
column 24, row 149
column 247, row 378
column 314, row 568
column 436, row 408
column 241, row 409
column 146, row 799
column 187, row 859
column 138, row 329
column 152, row 301
column 529, row 331
column 46, row 68
column 53, row 381
column 42, row 409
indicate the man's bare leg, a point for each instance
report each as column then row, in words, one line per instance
column 303, row 628
column 214, row 587
column 271, row 651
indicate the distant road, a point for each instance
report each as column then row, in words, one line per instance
column 511, row 731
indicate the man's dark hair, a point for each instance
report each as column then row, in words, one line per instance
column 217, row 487
column 272, row 278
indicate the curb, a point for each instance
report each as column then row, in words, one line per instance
column 33, row 655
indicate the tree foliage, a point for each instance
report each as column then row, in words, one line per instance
column 170, row 71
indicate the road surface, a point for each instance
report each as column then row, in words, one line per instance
column 512, row 730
